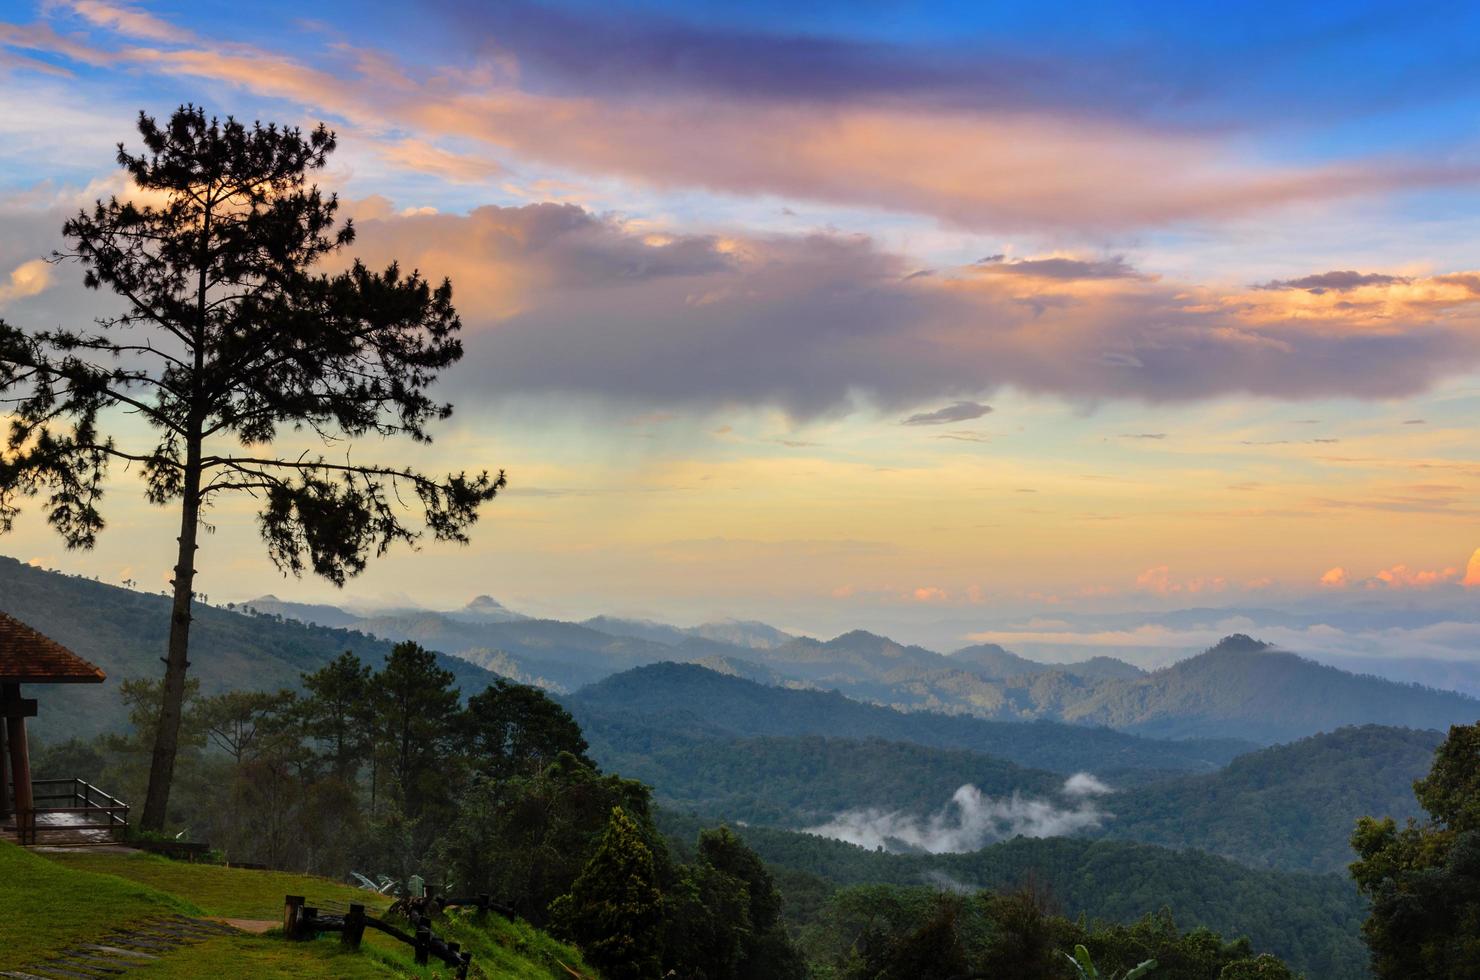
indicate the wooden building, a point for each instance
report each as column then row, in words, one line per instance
column 28, row 657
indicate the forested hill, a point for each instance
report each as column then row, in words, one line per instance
column 124, row 632
column 1311, row 921
column 1291, row 806
column 1246, row 689
column 691, row 700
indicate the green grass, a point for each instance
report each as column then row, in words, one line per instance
column 44, row 905
column 236, row 893
column 501, row 947
column 270, row 956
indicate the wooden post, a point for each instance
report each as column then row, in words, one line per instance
column 20, row 766
column 423, row 945
column 308, row 926
column 292, row 913
column 483, row 900
column 354, row 927
column 4, row 779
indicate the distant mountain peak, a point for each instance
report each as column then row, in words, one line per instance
column 1240, row 643
column 486, row 602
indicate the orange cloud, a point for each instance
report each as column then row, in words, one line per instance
column 1334, row 578
column 1403, row 577
column 26, row 279
column 930, row 593
column 1472, row 571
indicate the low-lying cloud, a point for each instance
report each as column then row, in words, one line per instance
column 971, row 820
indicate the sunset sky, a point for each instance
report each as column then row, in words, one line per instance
column 956, row 319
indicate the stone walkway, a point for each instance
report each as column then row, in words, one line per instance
column 120, row 951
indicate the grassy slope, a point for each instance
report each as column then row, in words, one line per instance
column 44, row 905
column 77, row 896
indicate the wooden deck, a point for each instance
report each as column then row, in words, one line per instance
column 71, row 828
column 69, row 812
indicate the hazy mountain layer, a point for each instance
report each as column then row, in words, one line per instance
column 124, row 632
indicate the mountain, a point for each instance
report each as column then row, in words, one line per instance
column 730, row 633
column 487, row 609
column 996, row 663
column 690, row 700
column 1243, row 688
column 124, row 632
column 304, row 612
column 743, row 633
column 1291, row 806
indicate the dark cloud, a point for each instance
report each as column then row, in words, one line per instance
column 1336, row 281
column 959, row 412
column 1143, row 435
column 635, row 53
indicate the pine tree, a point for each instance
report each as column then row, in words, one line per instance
column 614, row 910
column 228, row 337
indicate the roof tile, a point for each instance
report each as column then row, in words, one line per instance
column 28, row 657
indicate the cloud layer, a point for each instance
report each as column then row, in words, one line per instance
column 571, row 303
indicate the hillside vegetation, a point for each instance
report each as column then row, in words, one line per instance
column 1310, row 921
column 1291, row 806
column 72, row 898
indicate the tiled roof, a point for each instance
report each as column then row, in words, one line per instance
column 27, row 657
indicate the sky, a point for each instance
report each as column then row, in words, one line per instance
column 960, row 320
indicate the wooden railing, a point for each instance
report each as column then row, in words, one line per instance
column 303, row 921
column 85, row 808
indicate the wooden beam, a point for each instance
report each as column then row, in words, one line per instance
column 15, row 706
column 4, row 779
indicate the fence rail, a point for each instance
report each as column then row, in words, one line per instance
column 303, row 921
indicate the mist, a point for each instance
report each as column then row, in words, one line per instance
column 971, row 820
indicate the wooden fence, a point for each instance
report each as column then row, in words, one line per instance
column 302, row 921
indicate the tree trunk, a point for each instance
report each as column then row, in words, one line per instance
column 167, row 735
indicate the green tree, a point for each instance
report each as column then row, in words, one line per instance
column 336, row 710
column 416, row 709
column 1423, row 880
column 766, row 950
column 227, row 337
column 514, row 729
column 614, row 910
column 233, row 720
column 526, row 839
column 1261, row 967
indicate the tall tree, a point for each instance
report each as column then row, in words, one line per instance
column 416, row 710
column 513, row 729
column 614, row 909
column 334, row 709
column 228, row 337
